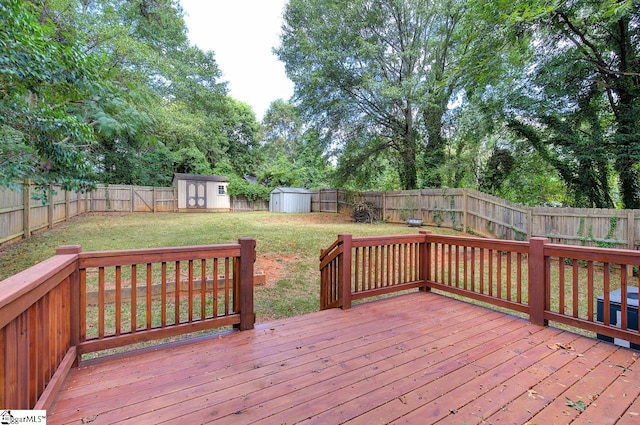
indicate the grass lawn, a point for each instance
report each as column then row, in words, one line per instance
column 288, row 246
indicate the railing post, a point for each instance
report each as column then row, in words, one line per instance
column 74, row 302
column 425, row 261
column 247, row 259
column 345, row 273
column 537, row 284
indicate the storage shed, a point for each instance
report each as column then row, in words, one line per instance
column 290, row 200
column 199, row 193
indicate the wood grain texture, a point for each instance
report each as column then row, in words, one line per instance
column 417, row 358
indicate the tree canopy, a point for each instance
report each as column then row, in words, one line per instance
column 450, row 92
column 536, row 101
column 111, row 91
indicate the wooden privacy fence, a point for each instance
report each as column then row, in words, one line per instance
column 329, row 200
column 486, row 215
column 47, row 320
column 593, row 289
column 21, row 216
column 460, row 209
column 125, row 198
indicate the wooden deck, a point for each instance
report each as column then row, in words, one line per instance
column 419, row 358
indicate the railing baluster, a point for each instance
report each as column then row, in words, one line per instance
column 482, row 270
column 190, row 292
column 575, row 288
column 449, row 255
column 369, row 269
column 561, row 285
column 519, row 279
column 457, row 267
column 216, row 284
column 118, row 307
column 149, row 296
column 590, row 291
column 203, row 288
column 176, row 294
column 623, row 298
column 134, row 298
column 442, row 261
column 356, row 271
column 607, row 296
column 499, row 274
column 101, row 302
column 163, row 294
column 509, row 280
column 226, row 286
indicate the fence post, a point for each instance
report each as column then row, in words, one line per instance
column 345, row 273
column 74, row 301
column 247, row 259
column 67, row 205
column 26, row 212
column 51, row 206
column 464, row 209
column 384, row 205
column 631, row 227
column 536, row 281
column 425, row 261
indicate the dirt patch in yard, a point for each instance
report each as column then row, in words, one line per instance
column 273, row 266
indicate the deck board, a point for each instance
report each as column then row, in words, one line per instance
column 417, row 358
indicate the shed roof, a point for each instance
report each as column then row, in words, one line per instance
column 290, row 190
column 183, row 176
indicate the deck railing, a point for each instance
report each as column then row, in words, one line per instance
column 80, row 302
column 357, row 268
column 548, row 282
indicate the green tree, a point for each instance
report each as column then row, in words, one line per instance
column 282, row 129
column 578, row 101
column 375, row 77
column 242, row 132
column 42, row 79
column 293, row 156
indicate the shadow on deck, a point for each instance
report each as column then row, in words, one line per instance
column 418, row 358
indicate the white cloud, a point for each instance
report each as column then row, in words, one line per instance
column 242, row 33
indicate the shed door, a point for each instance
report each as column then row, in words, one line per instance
column 196, row 194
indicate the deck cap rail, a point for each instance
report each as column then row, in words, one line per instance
column 32, row 280
column 140, row 256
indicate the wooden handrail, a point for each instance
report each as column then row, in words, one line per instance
column 44, row 313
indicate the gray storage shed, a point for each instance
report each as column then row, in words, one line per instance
column 290, row 200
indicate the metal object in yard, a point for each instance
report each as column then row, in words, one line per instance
column 615, row 301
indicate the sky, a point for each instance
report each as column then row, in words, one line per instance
column 242, row 34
